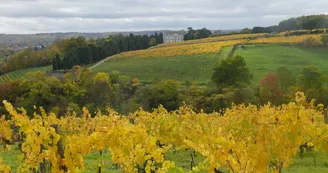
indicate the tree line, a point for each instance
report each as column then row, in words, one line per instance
column 197, row 34
column 97, row 91
column 307, row 23
column 79, row 51
column 304, row 23
column 64, row 54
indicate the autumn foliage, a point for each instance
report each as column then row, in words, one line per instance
column 245, row 139
column 269, row 89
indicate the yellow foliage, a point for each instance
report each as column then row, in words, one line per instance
column 205, row 46
column 4, row 168
column 245, row 139
column 285, row 40
column 213, row 39
column 180, row 50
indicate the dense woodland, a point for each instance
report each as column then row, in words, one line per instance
column 4, row 54
column 307, row 23
column 78, row 51
column 64, row 54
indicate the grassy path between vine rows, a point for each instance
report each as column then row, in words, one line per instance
column 306, row 164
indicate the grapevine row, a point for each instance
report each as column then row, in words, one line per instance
column 245, row 139
column 211, row 47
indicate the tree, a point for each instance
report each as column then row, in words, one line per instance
column 145, row 42
column 158, row 38
column 204, row 33
column 67, row 62
column 82, row 54
column 269, row 89
column 246, row 31
column 189, row 34
column 43, row 90
column 90, row 56
column 131, row 42
column 58, row 62
column 161, row 93
column 311, row 77
column 311, row 82
column 54, row 64
column 152, row 42
column 162, row 38
column 288, row 25
column 324, row 39
column 269, row 29
column 99, row 91
column 285, row 78
column 231, row 72
column 310, row 22
column 197, row 34
column 304, row 22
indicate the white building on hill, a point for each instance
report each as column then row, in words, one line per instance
column 168, row 38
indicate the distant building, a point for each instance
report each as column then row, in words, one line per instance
column 168, row 38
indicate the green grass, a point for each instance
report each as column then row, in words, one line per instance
column 182, row 159
column 263, row 59
column 22, row 73
column 182, row 68
column 306, row 164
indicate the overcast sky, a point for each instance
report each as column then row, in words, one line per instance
column 40, row 16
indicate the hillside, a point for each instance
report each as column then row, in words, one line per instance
column 182, row 68
column 263, row 59
column 194, row 62
column 22, row 73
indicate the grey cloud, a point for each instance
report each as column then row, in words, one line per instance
column 30, row 16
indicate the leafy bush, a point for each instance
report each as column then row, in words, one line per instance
column 311, row 42
column 298, row 33
column 324, row 39
column 317, row 31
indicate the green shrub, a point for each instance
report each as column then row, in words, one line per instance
column 311, row 42
column 324, row 39
column 317, row 31
column 297, row 33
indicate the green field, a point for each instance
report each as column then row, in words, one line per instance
column 310, row 162
column 263, row 59
column 182, row 68
column 22, row 73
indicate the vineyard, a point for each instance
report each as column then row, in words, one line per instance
column 212, row 47
column 286, row 40
column 213, row 39
column 245, row 139
column 182, row 68
column 267, row 58
column 193, row 49
column 21, row 73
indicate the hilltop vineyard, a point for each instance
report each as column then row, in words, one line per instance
column 184, row 48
